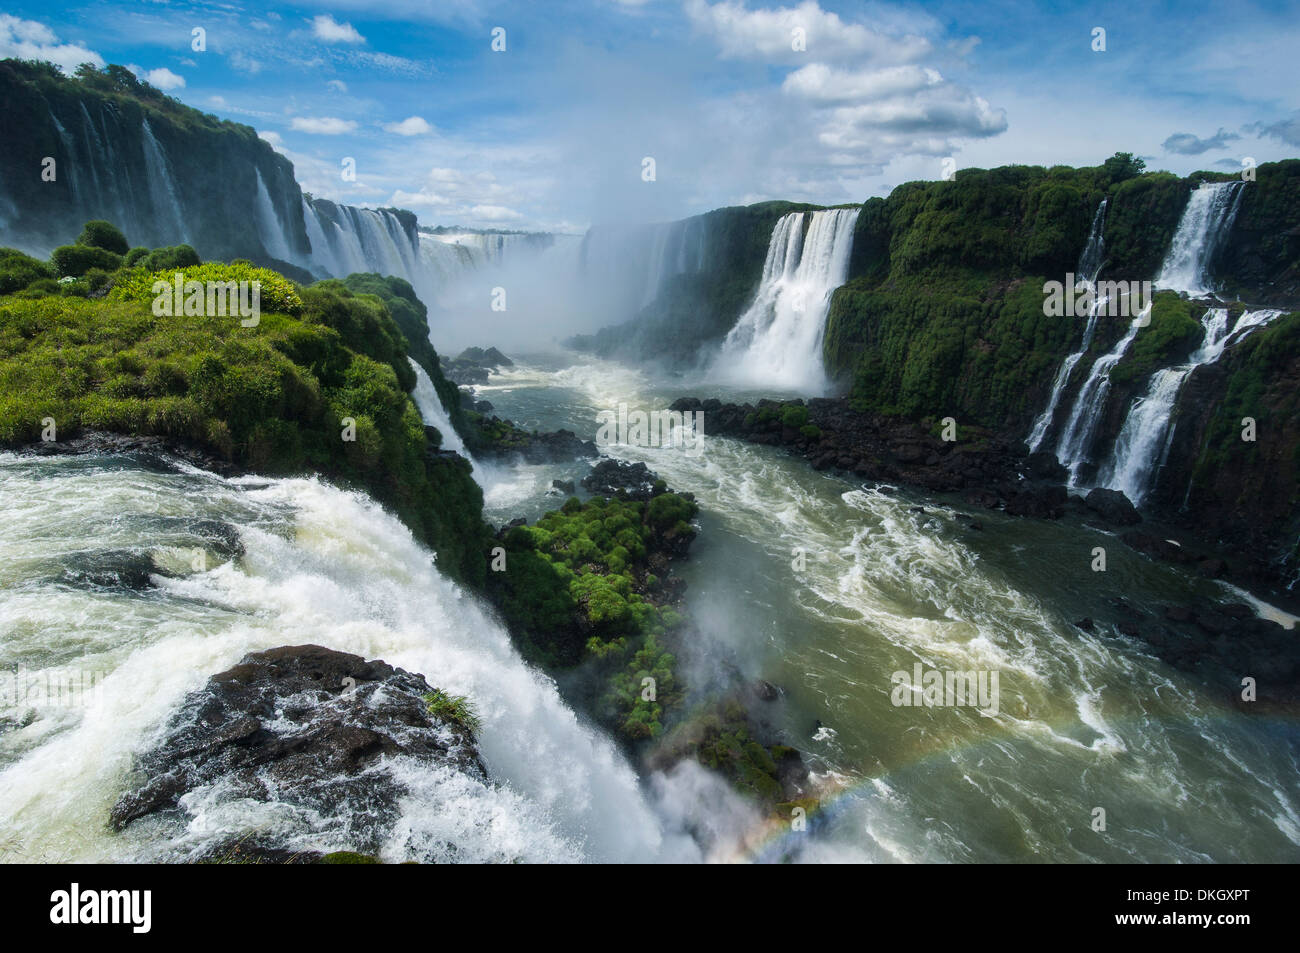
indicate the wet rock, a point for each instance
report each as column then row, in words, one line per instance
column 766, row 691
column 305, row 727
column 1178, row 614
column 1045, row 466
column 564, row 486
column 489, row 357
column 1085, row 624
column 1041, row 502
column 113, row 569
column 608, row 477
column 1112, row 506
column 1212, row 568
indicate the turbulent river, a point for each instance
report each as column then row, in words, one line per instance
column 889, row 579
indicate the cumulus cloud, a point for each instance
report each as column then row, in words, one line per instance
column 495, row 213
column 161, row 78
column 411, row 126
column 1285, row 131
column 329, row 30
column 1186, row 144
column 323, row 126
column 30, row 40
column 821, row 83
column 770, row 35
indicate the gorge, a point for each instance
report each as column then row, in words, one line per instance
column 903, row 461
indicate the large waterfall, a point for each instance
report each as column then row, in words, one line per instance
column 1089, row 267
column 1205, row 222
column 777, row 342
column 1144, row 439
column 320, row 565
column 628, row 265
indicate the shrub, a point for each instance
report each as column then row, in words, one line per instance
column 105, row 235
column 168, row 259
column 278, row 294
column 794, row 416
column 19, row 270
column 75, row 260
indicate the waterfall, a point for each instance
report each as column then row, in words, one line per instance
column 627, row 265
column 1205, row 222
column 778, row 340
column 168, row 218
column 69, row 161
column 434, row 414
column 1076, row 439
column 1089, row 267
column 1145, row 437
column 319, row 565
column 269, row 228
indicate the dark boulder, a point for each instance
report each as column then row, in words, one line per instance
column 307, row 728
column 1112, row 506
column 608, row 477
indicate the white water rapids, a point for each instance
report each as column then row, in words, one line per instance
column 321, row 566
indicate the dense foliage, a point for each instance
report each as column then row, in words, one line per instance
column 943, row 315
column 320, row 384
column 579, row 586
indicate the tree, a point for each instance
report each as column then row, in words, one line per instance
column 1123, row 165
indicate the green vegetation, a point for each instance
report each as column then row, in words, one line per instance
column 1263, row 370
column 102, row 234
column 721, row 738
column 319, row 385
column 1172, row 336
column 578, row 587
column 453, row 708
column 277, row 293
column 943, row 314
column 19, row 270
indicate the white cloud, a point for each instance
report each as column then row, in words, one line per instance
column 822, row 83
column 323, row 126
column 326, row 28
column 769, row 34
column 418, row 200
column 337, row 85
column 161, row 78
column 411, row 126
column 30, row 40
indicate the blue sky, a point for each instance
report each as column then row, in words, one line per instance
column 551, row 133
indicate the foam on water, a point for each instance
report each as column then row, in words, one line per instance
column 322, row 566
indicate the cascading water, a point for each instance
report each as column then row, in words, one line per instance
column 319, row 565
column 1204, row 224
column 637, row 260
column 1076, row 438
column 1090, row 262
column 777, row 342
column 1144, row 439
column 434, row 414
column 169, row 220
column 269, row 227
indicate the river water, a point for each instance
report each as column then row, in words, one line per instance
column 888, row 579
